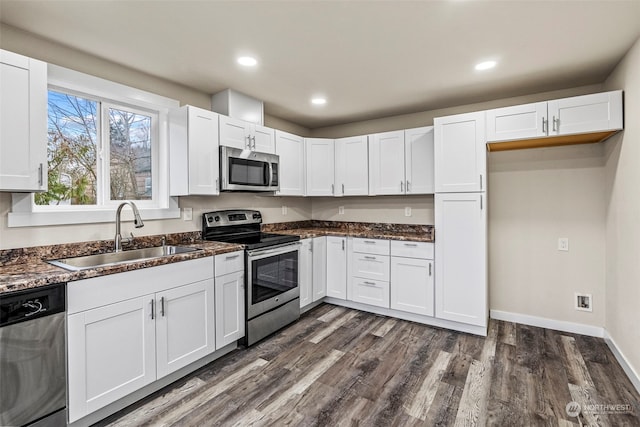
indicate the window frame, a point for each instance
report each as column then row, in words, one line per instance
column 25, row 212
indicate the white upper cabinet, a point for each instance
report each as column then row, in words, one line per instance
column 320, row 166
column 246, row 136
column 418, row 153
column 518, row 122
column 460, row 153
column 290, row 148
column 578, row 115
column 587, row 113
column 23, row 123
column 352, row 166
column 386, row 163
column 194, row 148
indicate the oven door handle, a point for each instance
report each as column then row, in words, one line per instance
column 261, row 253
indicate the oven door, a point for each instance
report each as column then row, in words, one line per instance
column 272, row 278
column 245, row 170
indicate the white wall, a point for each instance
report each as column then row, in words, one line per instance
column 623, row 215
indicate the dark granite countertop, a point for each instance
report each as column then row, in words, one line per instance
column 27, row 268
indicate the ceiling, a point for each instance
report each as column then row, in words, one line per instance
column 369, row 58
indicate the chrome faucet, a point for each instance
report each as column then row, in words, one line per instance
column 137, row 222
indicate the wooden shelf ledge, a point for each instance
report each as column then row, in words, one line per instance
column 550, row 141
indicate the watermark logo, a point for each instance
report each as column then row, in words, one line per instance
column 573, row 409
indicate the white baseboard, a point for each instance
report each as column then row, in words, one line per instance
column 622, row 360
column 543, row 322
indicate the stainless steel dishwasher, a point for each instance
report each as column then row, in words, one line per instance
column 32, row 357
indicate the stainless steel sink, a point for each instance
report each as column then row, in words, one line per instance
column 113, row 258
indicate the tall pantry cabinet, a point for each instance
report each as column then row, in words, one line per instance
column 461, row 220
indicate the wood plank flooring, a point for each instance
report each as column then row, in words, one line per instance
column 343, row 367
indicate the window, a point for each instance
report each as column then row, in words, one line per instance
column 107, row 142
column 98, row 152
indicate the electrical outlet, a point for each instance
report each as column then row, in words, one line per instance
column 285, row 210
column 407, row 211
column 583, row 302
column 187, row 214
column 340, row 210
column 563, row 244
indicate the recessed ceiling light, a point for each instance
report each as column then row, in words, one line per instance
column 247, row 61
column 318, row 100
column 485, row 65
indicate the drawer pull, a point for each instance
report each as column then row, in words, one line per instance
column 370, row 242
column 370, row 257
column 232, row 257
column 369, row 283
column 413, row 245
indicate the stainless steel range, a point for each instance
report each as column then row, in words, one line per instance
column 272, row 294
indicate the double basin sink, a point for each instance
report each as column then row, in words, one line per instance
column 113, row 258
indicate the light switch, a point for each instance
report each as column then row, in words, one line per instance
column 187, row 214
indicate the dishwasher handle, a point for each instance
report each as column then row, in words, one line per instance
column 29, row 304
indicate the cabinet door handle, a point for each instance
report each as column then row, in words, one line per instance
column 332, row 189
column 556, row 124
column 481, row 202
column 481, row 181
column 343, row 245
column 254, row 141
column 408, row 189
column 544, row 126
column 153, row 309
column 217, row 186
column 40, row 175
column 248, row 144
column 342, row 188
column 162, row 306
column 402, row 186
column 430, row 269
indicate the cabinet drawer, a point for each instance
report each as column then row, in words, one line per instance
column 422, row 250
column 371, row 246
column 371, row 266
column 372, row 292
column 231, row 262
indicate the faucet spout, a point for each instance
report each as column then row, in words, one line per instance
column 137, row 222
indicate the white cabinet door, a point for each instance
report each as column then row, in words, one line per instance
column 319, row 268
column 369, row 291
column 194, row 152
column 185, row 330
column 305, row 264
column 412, row 285
column 337, row 267
column 23, row 123
column 235, row 133
column 587, row 113
column 263, row 139
column 320, row 166
column 290, row 148
column 352, row 166
column 386, row 163
column 229, row 308
column 517, row 122
column 111, row 353
column 461, row 257
column 460, row 153
column 418, row 151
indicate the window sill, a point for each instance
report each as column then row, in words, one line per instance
column 27, row 218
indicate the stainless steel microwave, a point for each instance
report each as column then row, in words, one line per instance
column 246, row 170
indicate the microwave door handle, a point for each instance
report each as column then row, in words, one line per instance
column 270, row 173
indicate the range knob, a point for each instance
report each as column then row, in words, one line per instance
column 217, row 218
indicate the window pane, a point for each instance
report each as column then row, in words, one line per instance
column 71, row 151
column 130, row 154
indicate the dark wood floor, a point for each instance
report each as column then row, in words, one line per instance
column 339, row 367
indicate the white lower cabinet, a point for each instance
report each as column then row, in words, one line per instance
column 305, row 267
column 412, row 285
column 369, row 272
column 111, row 353
column 229, row 308
column 337, row 267
column 319, row 280
column 184, row 326
column 230, row 304
column 127, row 330
column 370, row 291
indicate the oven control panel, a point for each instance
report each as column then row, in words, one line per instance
column 231, row 217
